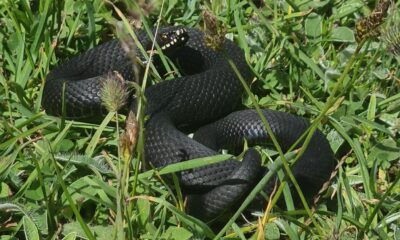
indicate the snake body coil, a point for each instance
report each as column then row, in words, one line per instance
column 209, row 91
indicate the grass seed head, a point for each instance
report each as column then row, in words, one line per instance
column 391, row 36
column 369, row 26
column 215, row 32
column 129, row 139
column 115, row 92
column 392, row 39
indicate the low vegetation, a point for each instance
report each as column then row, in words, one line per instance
column 334, row 62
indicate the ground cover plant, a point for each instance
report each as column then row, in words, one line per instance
column 334, row 62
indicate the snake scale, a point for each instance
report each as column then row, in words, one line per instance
column 206, row 99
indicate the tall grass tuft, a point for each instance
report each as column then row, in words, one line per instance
column 317, row 59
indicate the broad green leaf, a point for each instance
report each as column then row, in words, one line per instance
column 4, row 190
column 70, row 236
column 271, row 231
column 8, row 237
column 386, row 150
column 30, row 230
column 100, row 232
column 371, row 113
column 144, row 211
column 342, row 34
column 313, row 26
column 5, row 163
column 177, row 233
column 84, row 189
column 347, row 8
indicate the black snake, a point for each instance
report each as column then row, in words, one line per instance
column 206, row 98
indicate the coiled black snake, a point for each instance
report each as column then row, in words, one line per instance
column 208, row 91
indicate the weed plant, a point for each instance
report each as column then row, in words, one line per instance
column 331, row 61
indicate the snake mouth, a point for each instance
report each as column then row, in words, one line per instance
column 172, row 39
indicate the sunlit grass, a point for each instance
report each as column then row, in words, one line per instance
column 68, row 179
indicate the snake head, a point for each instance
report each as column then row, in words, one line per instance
column 171, row 39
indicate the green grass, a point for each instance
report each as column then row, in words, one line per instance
column 63, row 179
